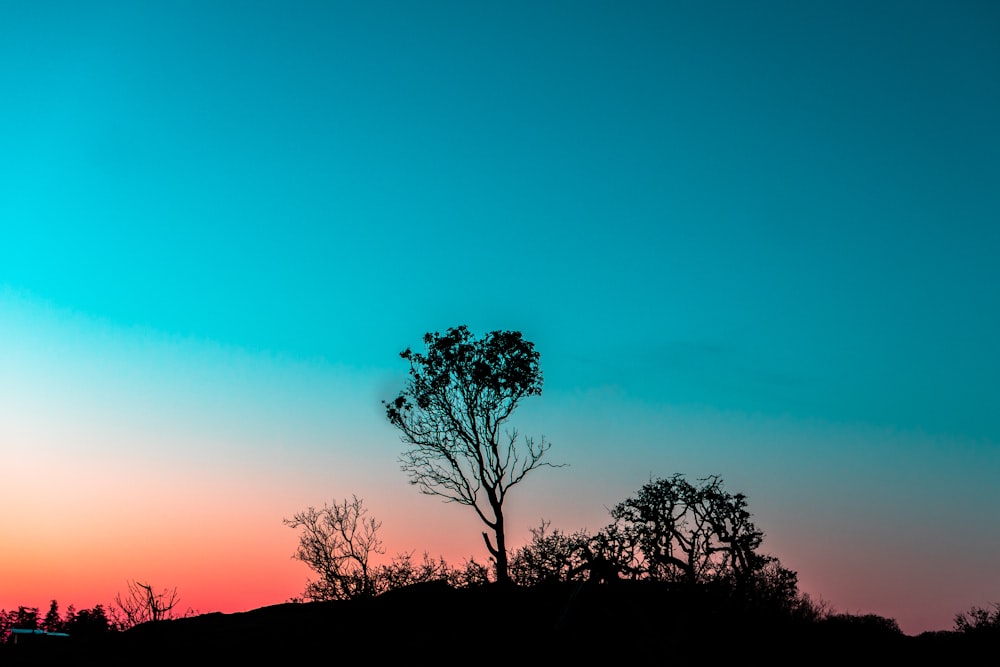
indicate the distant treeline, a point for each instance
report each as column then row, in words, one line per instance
column 92, row 622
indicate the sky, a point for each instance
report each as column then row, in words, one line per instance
column 753, row 240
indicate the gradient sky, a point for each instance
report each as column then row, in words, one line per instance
column 757, row 240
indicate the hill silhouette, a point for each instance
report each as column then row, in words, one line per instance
column 584, row 623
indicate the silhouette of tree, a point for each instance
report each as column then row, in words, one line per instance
column 979, row 621
column 337, row 542
column 25, row 618
column 678, row 531
column 458, row 397
column 140, row 604
column 551, row 555
column 88, row 622
column 52, row 621
column 69, row 617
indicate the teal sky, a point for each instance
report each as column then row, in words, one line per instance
column 757, row 240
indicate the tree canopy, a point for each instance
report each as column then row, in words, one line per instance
column 691, row 531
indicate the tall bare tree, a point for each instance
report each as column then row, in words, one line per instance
column 452, row 412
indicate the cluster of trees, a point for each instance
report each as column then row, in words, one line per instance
column 451, row 414
column 139, row 603
column 672, row 530
column 76, row 622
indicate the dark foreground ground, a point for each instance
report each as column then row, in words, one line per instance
column 559, row 624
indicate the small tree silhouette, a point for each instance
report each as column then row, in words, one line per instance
column 337, row 542
column 52, row 621
column 141, row 604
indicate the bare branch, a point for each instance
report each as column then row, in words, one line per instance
column 140, row 604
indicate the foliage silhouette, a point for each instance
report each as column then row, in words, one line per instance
column 872, row 624
column 670, row 531
column 979, row 621
column 337, row 542
column 551, row 555
column 25, row 618
column 458, row 397
column 82, row 624
column 689, row 532
column 88, row 623
column 403, row 572
column 52, row 621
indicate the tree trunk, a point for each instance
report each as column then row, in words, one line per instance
column 503, row 574
column 499, row 552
